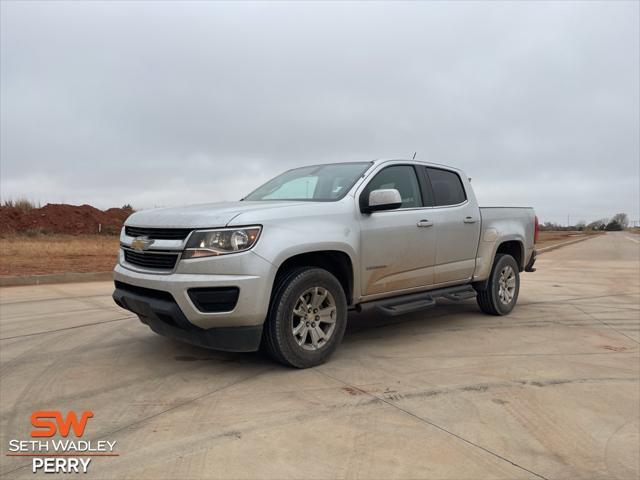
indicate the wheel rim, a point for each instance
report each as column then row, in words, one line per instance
column 314, row 318
column 507, row 285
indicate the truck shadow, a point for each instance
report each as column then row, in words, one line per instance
column 369, row 324
column 445, row 314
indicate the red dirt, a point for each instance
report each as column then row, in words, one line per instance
column 62, row 218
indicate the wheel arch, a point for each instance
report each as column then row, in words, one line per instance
column 513, row 247
column 337, row 262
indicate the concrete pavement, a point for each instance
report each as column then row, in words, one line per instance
column 550, row 391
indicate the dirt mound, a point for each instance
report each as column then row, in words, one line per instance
column 62, row 218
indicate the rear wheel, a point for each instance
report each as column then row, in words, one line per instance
column 307, row 317
column 501, row 293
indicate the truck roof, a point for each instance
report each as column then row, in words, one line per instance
column 413, row 160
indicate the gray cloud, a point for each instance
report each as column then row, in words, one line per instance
column 169, row 103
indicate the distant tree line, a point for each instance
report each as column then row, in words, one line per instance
column 618, row 222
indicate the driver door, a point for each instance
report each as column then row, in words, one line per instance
column 397, row 246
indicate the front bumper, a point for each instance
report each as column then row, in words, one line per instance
column 248, row 272
column 161, row 313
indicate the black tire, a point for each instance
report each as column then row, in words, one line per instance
column 489, row 299
column 279, row 339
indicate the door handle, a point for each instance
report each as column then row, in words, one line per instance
column 424, row 223
column 469, row 220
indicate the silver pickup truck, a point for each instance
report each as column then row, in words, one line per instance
column 281, row 268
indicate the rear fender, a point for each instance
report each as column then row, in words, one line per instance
column 489, row 245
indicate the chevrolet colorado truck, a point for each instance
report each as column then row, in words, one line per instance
column 281, row 268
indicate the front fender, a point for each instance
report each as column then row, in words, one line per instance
column 287, row 239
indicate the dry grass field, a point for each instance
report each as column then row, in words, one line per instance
column 548, row 239
column 57, row 253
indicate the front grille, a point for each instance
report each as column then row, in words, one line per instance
column 151, row 260
column 158, row 233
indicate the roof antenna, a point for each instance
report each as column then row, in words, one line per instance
column 414, row 155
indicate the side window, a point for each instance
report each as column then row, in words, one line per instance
column 401, row 177
column 447, row 187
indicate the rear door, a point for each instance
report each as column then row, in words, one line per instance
column 397, row 246
column 456, row 220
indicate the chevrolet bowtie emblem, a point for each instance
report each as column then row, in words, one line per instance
column 141, row 243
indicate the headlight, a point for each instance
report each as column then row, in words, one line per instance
column 206, row 243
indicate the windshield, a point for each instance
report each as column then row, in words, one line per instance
column 319, row 183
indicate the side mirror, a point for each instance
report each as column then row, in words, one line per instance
column 383, row 199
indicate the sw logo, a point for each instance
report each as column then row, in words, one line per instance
column 60, row 455
column 41, row 419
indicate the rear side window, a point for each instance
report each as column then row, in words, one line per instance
column 447, row 187
column 401, row 177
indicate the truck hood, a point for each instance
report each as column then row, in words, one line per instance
column 208, row 215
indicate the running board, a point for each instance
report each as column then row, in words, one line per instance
column 420, row 301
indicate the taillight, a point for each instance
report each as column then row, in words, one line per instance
column 536, row 229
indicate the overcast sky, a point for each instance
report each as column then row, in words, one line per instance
column 167, row 103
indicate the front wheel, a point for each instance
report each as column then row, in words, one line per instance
column 503, row 287
column 307, row 318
